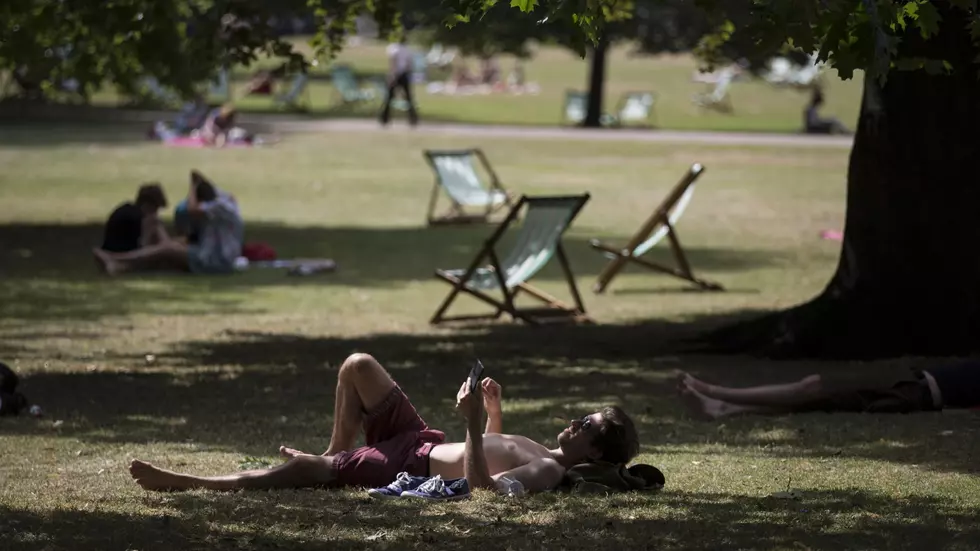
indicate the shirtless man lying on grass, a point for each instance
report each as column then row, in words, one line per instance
column 398, row 440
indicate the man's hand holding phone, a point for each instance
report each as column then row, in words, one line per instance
column 470, row 402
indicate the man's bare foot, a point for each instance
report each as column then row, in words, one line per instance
column 105, row 262
column 686, row 379
column 701, row 406
column 153, row 478
column 290, row 453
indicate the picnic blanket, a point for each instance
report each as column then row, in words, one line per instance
column 600, row 477
column 198, row 142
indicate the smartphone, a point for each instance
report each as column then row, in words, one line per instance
column 476, row 375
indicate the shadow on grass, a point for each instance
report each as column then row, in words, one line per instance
column 247, row 392
column 58, row 125
column 671, row 519
column 47, row 271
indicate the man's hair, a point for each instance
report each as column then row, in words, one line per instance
column 204, row 189
column 617, row 439
column 152, row 195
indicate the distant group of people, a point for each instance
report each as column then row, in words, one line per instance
column 209, row 233
column 213, row 126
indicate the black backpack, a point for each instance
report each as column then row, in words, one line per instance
column 11, row 401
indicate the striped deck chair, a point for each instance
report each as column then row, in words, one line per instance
column 661, row 224
column 219, row 86
column 719, row 98
column 537, row 241
column 576, row 108
column 455, row 172
column 297, row 91
column 635, row 107
column 157, row 92
column 349, row 89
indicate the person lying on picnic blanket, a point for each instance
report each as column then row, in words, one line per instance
column 219, row 129
column 950, row 386
column 399, row 441
column 219, row 235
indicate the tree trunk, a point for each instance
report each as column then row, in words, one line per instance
column 908, row 279
column 597, row 80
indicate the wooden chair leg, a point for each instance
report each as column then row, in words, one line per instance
column 612, row 268
column 570, row 278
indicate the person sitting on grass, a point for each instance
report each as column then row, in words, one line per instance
column 399, row 441
column 950, row 386
column 814, row 123
column 135, row 225
column 218, row 245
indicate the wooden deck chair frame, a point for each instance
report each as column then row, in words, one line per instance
column 553, row 310
column 660, row 220
column 456, row 214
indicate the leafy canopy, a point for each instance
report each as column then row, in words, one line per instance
column 849, row 34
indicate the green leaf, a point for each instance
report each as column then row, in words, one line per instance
column 524, row 5
column 975, row 29
column 928, row 19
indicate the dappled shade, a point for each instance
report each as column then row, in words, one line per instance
column 49, row 273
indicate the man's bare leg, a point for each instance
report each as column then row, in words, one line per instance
column 362, row 384
column 299, row 472
column 705, row 407
column 779, row 395
column 170, row 254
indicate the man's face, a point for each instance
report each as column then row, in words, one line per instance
column 576, row 440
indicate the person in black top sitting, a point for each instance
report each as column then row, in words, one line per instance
column 11, row 401
column 814, row 123
column 135, row 225
column 951, row 386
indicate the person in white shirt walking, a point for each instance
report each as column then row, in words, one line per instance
column 399, row 76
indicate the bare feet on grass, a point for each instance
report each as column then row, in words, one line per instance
column 105, row 262
column 156, row 479
column 699, row 405
column 685, row 379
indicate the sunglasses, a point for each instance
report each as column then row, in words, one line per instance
column 585, row 423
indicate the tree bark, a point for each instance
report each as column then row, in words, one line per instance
column 597, row 80
column 908, row 278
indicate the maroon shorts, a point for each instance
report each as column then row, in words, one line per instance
column 396, row 440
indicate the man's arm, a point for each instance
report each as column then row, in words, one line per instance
column 540, row 475
column 491, row 402
column 474, row 460
column 495, row 422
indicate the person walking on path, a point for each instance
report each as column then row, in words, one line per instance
column 399, row 76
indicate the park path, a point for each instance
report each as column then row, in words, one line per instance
column 285, row 123
column 288, row 124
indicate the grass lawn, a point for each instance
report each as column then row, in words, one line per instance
column 245, row 363
column 758, row 106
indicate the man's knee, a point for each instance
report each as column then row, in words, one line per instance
column 358, row 365
column 316, row 469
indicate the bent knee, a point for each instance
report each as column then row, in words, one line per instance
column 358, row 363
column 317, row 469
